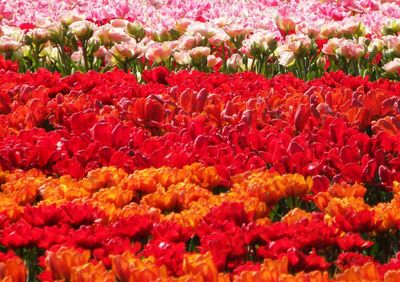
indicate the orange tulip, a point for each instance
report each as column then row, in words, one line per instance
column 13, row 270
column 167, row 176
column 322, row 200
column 141, row 181
column 345, row 190
column 270, row 271
column 295, row 215
column 315, row 276
column 396, row 187
column 367, row 272
column 392, row 276
column 129, row 268
column 164, row 200
column 106, row 177
column 388, row 214
column 188, row 193
column 206, row 177
column 202, row 264
column 89, row 273
column 113, row 195
column 61, row 262
column 140, row 209
column 341, row 206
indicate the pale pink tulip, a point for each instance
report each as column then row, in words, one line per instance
column 392, row 66
column 212, row 61
column 235, row 63
column 8, row 44
column 82, row 29
column 182, row 57
column 351, row 50
column 159, row 52
column 198, row 53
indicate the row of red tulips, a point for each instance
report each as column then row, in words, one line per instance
column 338, row 127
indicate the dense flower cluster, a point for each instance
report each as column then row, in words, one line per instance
column 198, row 176
column 286, row 43
column 193, row 141
column 159, row 14
column 97, row 228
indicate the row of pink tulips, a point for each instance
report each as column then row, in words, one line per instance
column 75, row 44
column 158, row 14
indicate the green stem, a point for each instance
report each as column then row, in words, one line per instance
column 63, row 59
column 32, row 264
column 85, row 55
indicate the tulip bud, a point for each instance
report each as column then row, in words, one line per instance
column 90, row 272
column 353, row 29
column 199, row 53
column 329, row 30
column 127, row 267
column 187, row 42
column 154, row 111
column 68, row 19
column 77, row 56
column 324, row 108
column 107, row 34
column 235, row 63
column 393, row 44
column 37, row 36
column 301, row 117
column 249, row 117
column 376, row 45
column 392, row 27
column 57, row 34
column 201, row 144
column 125, row 50
column 321, row 63
column 201, row 99
column 83, row 30
column 136, row 30
column 235, row 31
column 119, row 23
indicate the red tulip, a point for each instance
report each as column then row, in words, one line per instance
column 301, row 117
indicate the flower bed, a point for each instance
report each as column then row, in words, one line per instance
column 211, row 176
column 138, row 145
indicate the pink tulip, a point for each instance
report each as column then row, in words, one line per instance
column 82, row 29
column 235, row 63
column 182, row 57
column 212, row 61
column 198, row 53
column 8, row 44
column 351, row 50
column 159, row 52
column 392, row 66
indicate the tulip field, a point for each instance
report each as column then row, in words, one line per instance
column 197, row 141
